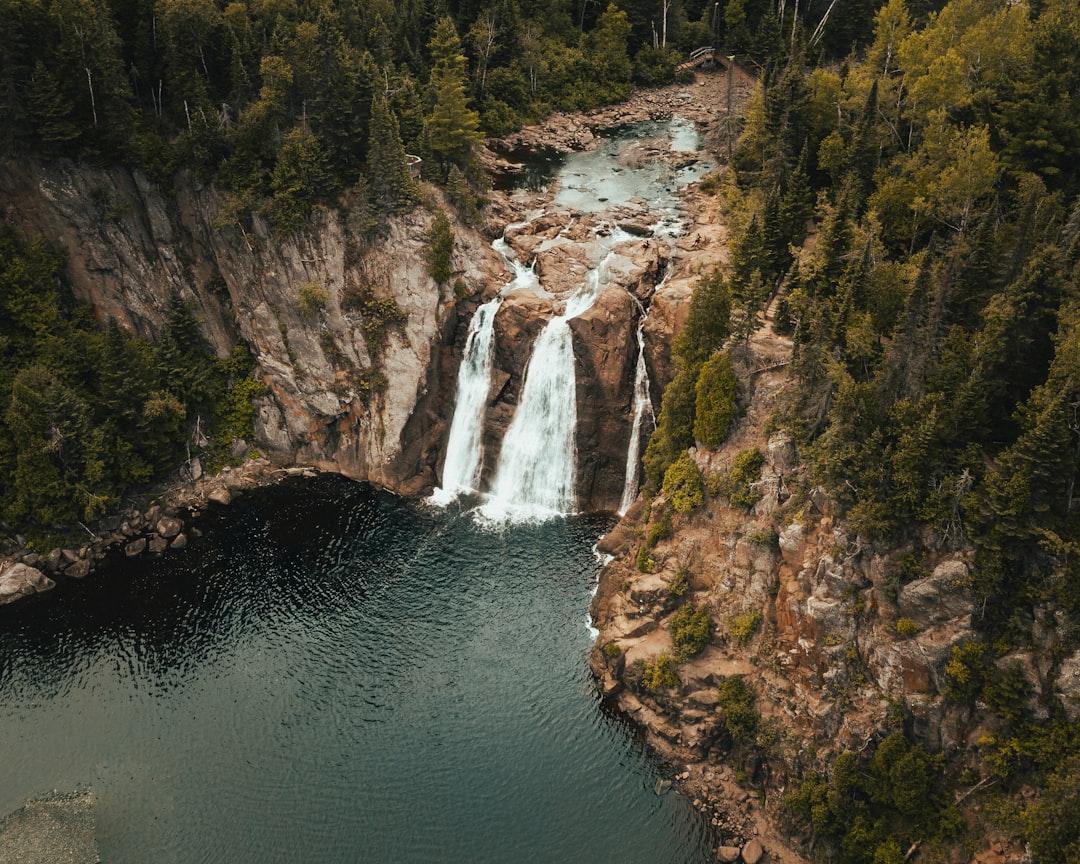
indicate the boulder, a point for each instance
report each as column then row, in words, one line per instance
column 157, row 544
column 180, row 541
column 78, row 570
column 135, row 547
column 59, row 829
column 220, row 496
column 938, row 597
column 1068, row 685
column 781, row 452
column 617, row 541
column 727, row 854
column 21, row 580
column 752, row 852
column 169, row 526
column 790, row 540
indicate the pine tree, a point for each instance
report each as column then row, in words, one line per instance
column 388, row 171
column 863, row 151
column 452, row 125
column 797, row 202
column 50, row 111
column 299, row 179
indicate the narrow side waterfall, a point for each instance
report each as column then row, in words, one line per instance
column 535, row 477
column 642, row 408
column 464, row 448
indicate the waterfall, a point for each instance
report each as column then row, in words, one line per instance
column 535, row 476
column 642, row 406
column 464, row 447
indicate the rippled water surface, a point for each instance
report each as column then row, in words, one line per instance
column 332, row 675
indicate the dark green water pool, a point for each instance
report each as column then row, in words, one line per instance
column 333, row 675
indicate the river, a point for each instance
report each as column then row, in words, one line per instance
column 332, row 674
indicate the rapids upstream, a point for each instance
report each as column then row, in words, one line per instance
column 534, row 478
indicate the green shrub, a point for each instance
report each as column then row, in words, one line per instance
column 966, row 671
column 311, row 299
column 1052, row 823
column 714, row 405
column 736, row 483
column 1007, row 691
column 660, row 673
column 654, row 67
column 659, row 530
column 708, row 322
column 683, row 485
column 644, row 560
column 377, row 314
column 691, row 630
column 680, row 583
column 742, row 627
column 767, row 538
column 735, row 701
column 674, row 430
column 442, row 248
column 906, row 628
column 612, row 650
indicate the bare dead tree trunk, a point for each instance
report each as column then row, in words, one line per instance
column 90, row 84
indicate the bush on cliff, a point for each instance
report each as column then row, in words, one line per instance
column 714, row 404
column 708, row 322
column 691, row 630
column 735, row 702
column 871, row 806
column 442, row 247
column 683, row 485
column 736, row 482
column 659, row 673
column 674, row 429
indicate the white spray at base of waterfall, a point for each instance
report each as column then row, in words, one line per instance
column 464, row 448
column 535, row 477
column 642, row 407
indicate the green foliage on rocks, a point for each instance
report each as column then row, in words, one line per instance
column 1052, row 823
column 714, row 404
column 311, row 299
column 873, row 805
column 442, row 247
column 659, row 673
column 735, row 702
column 683, row 485
column 742, row 627
column 736, row 482
column 691, row 630
column 680, row 583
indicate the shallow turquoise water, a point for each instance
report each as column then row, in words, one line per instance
column 333, row 675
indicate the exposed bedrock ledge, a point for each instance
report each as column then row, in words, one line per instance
column 606, row 351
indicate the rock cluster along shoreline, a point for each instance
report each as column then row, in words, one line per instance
column 168, row 522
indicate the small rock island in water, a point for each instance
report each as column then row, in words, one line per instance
column 555, row 432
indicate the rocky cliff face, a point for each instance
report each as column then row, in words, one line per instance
column 830, row 633
column 345, row 377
